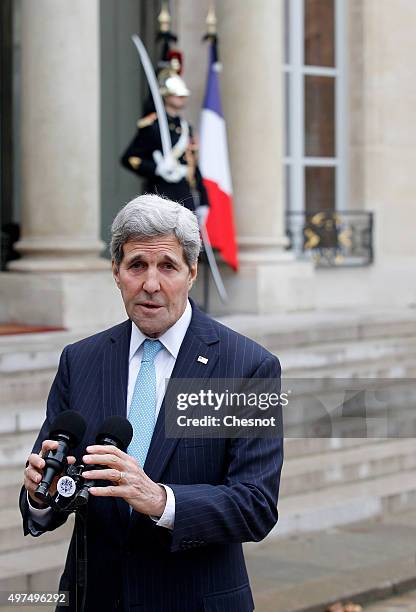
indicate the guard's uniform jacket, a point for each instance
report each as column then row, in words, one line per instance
column 138, row 158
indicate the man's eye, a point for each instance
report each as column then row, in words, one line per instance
column 168, row 266
column 136, row 265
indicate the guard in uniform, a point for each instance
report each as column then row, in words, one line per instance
column 177, row 178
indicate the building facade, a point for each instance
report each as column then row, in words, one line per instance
column 318, row 98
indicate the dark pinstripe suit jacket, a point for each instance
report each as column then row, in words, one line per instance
column 225, row 490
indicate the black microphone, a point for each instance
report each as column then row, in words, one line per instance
column 115, row 431
column 68, row 429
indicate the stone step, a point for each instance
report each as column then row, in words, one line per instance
column 401, row 368
column 323, row 459
column 321, row 355
column 15, row 448
column 33, row 569
column 28, row 364
column 11, row 532
column 301, row 447
column 310, row 399
column 309, row 419
column 26, row 387
column 36, row 359
column 349, row 465
column 11, row 481
column 361, row 562
column 328, row 340
column 346, row 503
column 300, row 329
column 21, row 416
column 391, row 423
column 35, row 351
column 18, row 364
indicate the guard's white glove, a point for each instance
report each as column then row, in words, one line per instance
column 169, row 168
column 202, row 214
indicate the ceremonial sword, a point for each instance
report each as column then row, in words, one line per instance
column 167, row 153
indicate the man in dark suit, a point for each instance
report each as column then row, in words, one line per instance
column 165, row 535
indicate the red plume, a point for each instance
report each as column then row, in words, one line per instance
column 176, row 54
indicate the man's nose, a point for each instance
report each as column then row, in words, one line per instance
column 151, row 282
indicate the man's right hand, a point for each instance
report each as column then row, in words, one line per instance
column 33, row 473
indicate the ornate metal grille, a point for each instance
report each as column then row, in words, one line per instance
column 332, row 238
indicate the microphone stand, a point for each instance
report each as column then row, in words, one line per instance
column 81, row 553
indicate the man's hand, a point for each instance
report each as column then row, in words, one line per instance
column 129, row 480
column 169, row 168
column 33, row 473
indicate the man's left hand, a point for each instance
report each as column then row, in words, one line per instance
column 128, row 480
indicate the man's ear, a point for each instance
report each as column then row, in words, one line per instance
column 115, row 270
column 193, row 273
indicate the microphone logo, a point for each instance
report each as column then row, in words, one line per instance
column 66, row 486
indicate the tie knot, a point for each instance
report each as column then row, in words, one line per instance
column 151, row 349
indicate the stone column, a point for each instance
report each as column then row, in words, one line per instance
column 61, row 276
column 60, row 137
column 387, row 144
column 250, row 35
column 251, row 52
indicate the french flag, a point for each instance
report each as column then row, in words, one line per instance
column 215, row 168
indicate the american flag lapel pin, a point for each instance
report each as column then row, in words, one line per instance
column 202, row 359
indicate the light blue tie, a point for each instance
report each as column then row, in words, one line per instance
column 142, row 411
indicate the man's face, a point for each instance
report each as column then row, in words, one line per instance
column 176, row 102
column 154, row 281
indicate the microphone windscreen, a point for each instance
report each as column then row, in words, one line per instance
column 70, row 423
column 118, row 429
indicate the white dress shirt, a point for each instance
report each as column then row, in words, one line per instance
column 164, row 364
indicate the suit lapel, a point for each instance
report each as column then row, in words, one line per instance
column 115, row 372
column 115, row 379
column 200, row 339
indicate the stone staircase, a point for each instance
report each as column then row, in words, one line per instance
column 337, row 487
column 332, row 481
column 327, row 481
column 27, row 366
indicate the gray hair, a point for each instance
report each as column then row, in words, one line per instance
column 148, row 216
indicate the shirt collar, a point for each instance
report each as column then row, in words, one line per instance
column 171, row 339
